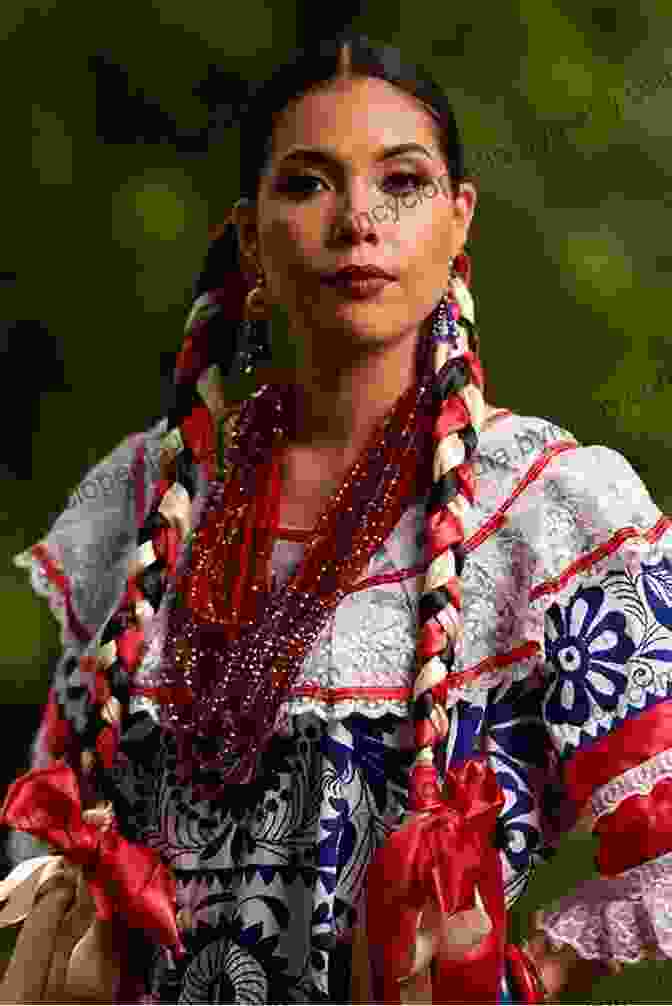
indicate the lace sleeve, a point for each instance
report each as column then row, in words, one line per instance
column 607, row 709
column 80, row 567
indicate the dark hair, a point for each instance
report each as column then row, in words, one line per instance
column 454, row 396
column 307, row 69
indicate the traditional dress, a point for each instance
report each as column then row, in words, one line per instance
column 564, row 684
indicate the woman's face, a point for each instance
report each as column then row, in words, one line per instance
column 352, row 206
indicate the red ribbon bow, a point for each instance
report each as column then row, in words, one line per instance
column 125, row 880
column 441, row 856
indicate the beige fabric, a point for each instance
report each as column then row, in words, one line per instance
column 417, row 989
column 63, row 953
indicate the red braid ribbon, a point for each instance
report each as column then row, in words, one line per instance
column 444, row 530
column 125, row 879
column 195, row 352
column 454, row 416
column 462, row 266
column 476, row 368
column 467, row 481
column 199, row 432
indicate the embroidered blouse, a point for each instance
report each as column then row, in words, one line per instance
column 564, row 682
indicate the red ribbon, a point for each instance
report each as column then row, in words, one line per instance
column 126, row 880
column 442, row 855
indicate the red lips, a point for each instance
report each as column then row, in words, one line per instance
column 355, row 272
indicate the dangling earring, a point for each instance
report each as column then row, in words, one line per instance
column 255, row 302
column 444, row 326
column 253, row 342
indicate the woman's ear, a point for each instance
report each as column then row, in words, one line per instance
column 244, row 218
column 465, row 207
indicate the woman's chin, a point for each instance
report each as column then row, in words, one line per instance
column 359, row 329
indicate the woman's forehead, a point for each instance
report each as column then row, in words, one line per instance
column 354, row 115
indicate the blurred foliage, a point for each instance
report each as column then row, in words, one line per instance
column 122, row 153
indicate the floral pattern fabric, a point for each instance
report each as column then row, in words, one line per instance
column 567, row 613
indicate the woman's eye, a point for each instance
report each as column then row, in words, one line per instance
column 298, row 184
column 398, row 180
column 407, row 178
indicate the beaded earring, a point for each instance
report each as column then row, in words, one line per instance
column 444, row 325
column 253, row 345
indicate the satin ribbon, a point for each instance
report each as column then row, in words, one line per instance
column 125, row 880
column 425, row 877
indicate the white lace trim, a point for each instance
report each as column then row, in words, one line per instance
column 47, row 589
column 470, row 691
column 341, row 709
column 640, row 781
column 624, row 918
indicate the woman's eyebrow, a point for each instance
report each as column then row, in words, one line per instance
column 319, row 155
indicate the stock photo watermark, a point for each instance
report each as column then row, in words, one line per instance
column 547, row 138
column 106, row 484
column 550, row 136
column 428, row 190
column 122, row 478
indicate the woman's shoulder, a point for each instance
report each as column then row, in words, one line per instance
column 572, row 502
column 551, row 462
column 501, row 422
column 512, row 442
column 528, row 436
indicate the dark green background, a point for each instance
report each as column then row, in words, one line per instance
column 117, row 156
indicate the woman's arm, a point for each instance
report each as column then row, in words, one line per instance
column 81, row 568
column 607, row 610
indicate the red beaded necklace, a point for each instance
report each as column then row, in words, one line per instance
column 227, row 596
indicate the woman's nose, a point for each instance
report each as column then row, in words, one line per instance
column 354, row 214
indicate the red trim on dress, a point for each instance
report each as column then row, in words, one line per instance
column 484, row 532
column 139, row 476
column 330, row 696
column 631, row 743
column 52, row 571
column 556, row 584
column 639, row 830
column 498, row 519
column 495, row 417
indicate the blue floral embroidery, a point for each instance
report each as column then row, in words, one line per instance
column 521, row 838
column 583, row 662
column 514, row 723
column 657, row 583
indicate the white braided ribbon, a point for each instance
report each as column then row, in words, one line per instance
column 146, row 554
column 460, row 506
column 144, row 557
column 451, row 621
column 441, row 569
column 172, row 441
column 473, row 399
column 111, row 711
column 176, row 508
column 144, row 611
column 464, row 299
column 431, row 674
column 200, row 305
column 449, row 454
column 439, row 718
column 107, row 654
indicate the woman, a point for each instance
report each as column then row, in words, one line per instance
column 361, row 540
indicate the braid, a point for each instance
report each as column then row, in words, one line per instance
column 187, row 461
column 459, row 387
